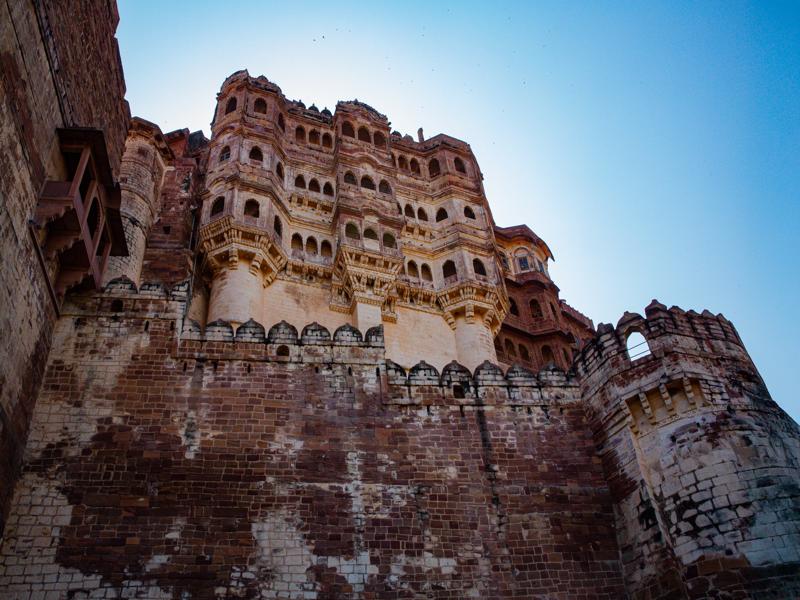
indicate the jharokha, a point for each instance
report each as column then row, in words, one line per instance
column 300, row 360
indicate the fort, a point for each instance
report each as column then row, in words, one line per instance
column 299, row 359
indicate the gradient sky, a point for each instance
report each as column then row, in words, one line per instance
column 654, row 146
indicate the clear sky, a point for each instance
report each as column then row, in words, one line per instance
column 654, row 146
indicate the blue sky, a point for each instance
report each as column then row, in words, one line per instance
column 654, row 146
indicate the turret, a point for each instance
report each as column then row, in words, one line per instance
column 702, row 464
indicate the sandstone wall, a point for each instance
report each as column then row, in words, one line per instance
column 267, row 466
column 54, row 72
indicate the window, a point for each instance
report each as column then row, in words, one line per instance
column 389, row 241
column 449, row 269
column 524, row 354
column 415, row 166
column 363, row 135
column 513, row 309
column 379, row 139
column 469, row 213
column 313, row 186
column 325, row 249
column 278, row 227
column 409, row 211
column 366, row 182
column 351, row 231
column 256, row 154
column 313, row 137
column 369, row 234
column 523, row 263
column 433, row 168
column 536, row 309
column 402, row 163
column 297, row 242
column 281, row 123
column 347, row 129
column 384, row 187
column 218, row 206
column 510, row 350
column 422, row 215
column 441, row 215
column 311, row 246
column 460, row 165
column 350, row 178
column 637, row 346
column 547, row 355
column 93, row 219
column 225, row 154
column 300, row 134
column 230, row 106
column 413, row 272
column 394, row 160
column 300, row 182
column 260, row 106
column 554, row 309
column 478, row 267
column 279, row 171
column 327, row 140
column 426, row 273
column 327, row 189
column 251, row 208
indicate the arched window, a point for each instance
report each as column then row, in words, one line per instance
column 313, row 137
column 351, row 231
column 548, row 358
column 350, row 178
column 369, row 234
column 325, row 249
column 478, row 267
column 422, row 215
column 402, row 163
column 279, row 171
column 311, row 245
column 389, row 241
column 278, row 227
column 513, row 309
column 218, row 206
column 327, row 189
column 327, row 140
column 347, row 129
column 379, row 139
column 225, row 154
column 300, row 182
column 256, row 154
column 409, row 211
column 297, row 242
column 433, row 168
column 415, row 166
column 300, row 134
column 441, row 215
column 469, row 213
column 363, row 135
column 449, row 269
column 459, row 165
column 230, row 106
column 426, row 272
column 394, row 160
column 510, row 350
column 313, row 186
column 384, row 187
column 637, row 346
column 554, row 309
column 524, row 354
column 252, row 208
column 523, row 262
column 366, row 182
column 281, row 123
column 260, row 106
column 536, row 309
column 413, row 272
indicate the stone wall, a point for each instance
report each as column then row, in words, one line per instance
column 54, row 72
column 703, row 466
column 282, row 465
